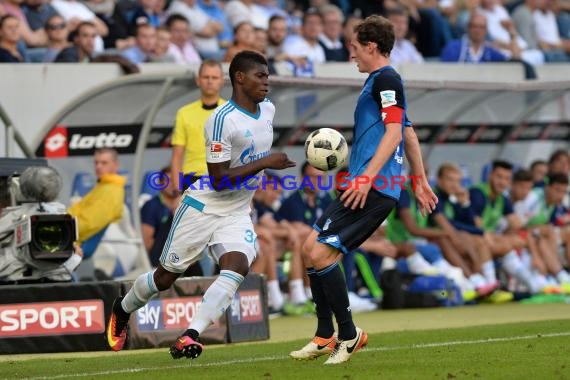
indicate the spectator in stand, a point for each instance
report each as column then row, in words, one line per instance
column 547, row 33
column 143, row 51
column 276, row 35
column 331, row 37
column 559, row 162
column 523, row 20
column 162, row 46
column 35, row 38
column 143, row 13
column 75, row 12
column 56, row 29
column 348, row 32
column 238, row 11
column 260, row 42
column 473, row 47
column 204, row 28
column 83, row 46
column 404, row 50
column 213, row 9
column 37, row 13
column 9, row 36
column 181, row 48
column 503, row 34
column 307, row 45
column 244, row 39
column 116, row 21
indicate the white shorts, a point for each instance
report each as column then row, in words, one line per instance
column 192, row 231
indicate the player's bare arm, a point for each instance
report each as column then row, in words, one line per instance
column 423, row 192
column 222, row 171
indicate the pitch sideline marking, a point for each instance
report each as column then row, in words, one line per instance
column 282, row 357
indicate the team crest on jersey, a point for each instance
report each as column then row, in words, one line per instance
column 388, row 98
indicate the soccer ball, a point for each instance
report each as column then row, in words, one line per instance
column 326, row 149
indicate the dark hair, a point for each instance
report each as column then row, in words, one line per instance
column 276, row 17
column 554, row 178
column 52, row 17
column 447, row 167
column 4, row 18
column 304, row 167
column 175, row 17
column 522, row 175
column 311, row 12
column 378, row 30
column 536, row 163
column 140, row 27
column 501, row 164
column 398, row 11
column 557, row 154
column 245, row 61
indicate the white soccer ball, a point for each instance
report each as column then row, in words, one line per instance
column 326, row 149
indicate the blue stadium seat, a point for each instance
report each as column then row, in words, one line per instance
column 145, row 187
column 466, row 181
column 89, row 246
column 83, row 182
column 486, row 171
column 128, row 188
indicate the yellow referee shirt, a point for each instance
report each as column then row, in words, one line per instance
column 189, row 133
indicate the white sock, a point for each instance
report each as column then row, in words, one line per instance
column 488, row 269
column 453, row 273
column 274, row 295
column 563, row 276
column 418, row 265
column 514, row 267
column 297, row 294
column 308, row 292
column 216, row 300
column 142, row 291
column 540, row 279
column 477, row 280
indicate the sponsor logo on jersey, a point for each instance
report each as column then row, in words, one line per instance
column 52, row 318
column 388, row 98
column 249, row 155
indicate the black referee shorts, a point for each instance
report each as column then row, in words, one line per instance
column 346, row 229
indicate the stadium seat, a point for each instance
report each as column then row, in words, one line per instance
column 486, row 171
column 466, row 181
column 83, row 182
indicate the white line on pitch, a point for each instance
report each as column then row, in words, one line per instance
column 282, row 357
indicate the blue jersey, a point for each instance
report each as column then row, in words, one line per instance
column 381, row 98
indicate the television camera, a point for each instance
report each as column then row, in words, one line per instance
column 36, row 234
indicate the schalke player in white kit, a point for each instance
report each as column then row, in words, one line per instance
column 215, row 213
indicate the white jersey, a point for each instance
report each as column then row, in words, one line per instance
column 233, row 134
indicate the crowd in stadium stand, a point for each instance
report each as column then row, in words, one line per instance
column 301, row 32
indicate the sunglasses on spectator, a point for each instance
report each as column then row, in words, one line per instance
column 55, row 26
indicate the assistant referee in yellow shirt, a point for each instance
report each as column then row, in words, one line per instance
column 188, row 144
